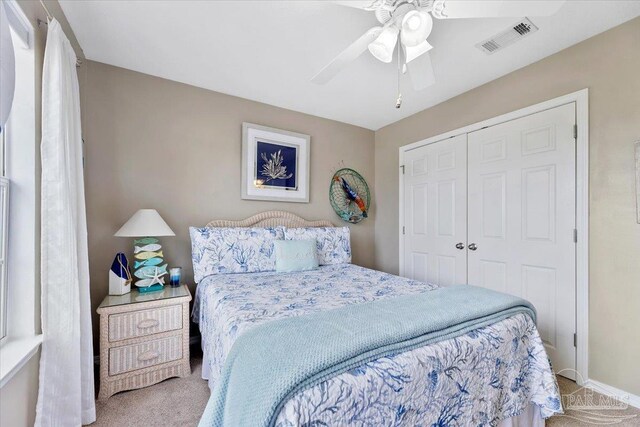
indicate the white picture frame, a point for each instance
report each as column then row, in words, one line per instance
column 638, row 181
column 275, row 164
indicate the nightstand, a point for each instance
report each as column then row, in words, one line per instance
column 144, row 339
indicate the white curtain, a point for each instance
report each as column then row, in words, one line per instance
column 66, row 394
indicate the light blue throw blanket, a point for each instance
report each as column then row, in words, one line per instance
column 262, row 372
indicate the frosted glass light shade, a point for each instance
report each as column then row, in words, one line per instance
column 382, row 47
column 145, row 222
column 416, row 27
column 412, row 53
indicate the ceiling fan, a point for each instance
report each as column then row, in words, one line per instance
column 411, row 22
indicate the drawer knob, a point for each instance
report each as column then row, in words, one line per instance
column 148, row 355
column 148, row 323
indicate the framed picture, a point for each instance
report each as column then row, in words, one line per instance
column 275, row 164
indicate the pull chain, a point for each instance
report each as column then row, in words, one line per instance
column 399, row 99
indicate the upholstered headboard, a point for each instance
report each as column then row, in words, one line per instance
column 270, row 219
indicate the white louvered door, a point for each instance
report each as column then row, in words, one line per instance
column 435, row 198
column 521, row 211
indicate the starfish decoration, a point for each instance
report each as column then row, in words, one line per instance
column 156, row 278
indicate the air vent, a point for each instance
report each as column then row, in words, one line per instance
column 517, row 32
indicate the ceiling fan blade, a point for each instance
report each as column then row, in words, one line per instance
column 453, row 9
column 421, row 72
column 346, row 56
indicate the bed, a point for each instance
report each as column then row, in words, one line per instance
column 498, row 374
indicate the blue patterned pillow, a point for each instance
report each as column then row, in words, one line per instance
column 333, row 243
column 219, row 250
column 296, row 255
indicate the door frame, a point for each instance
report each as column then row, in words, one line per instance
column 581, row 99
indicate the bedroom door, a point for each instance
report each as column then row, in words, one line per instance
column 435, row 199
column 522, row 211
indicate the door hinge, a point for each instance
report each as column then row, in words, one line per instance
column 402, row 167
column 575, row 235
column 403, row 229
column 575, row 131
column 575, row 340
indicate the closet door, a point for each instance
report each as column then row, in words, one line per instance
column 435, row 212
column 522, row 219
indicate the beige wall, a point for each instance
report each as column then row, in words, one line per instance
column 609, row 65
column 19, row 396
column 155, row 143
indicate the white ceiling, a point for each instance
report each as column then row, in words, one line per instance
column 267, row 51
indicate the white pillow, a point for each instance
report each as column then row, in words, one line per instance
column 333, row 243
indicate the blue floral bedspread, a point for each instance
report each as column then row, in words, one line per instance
column 480, row 378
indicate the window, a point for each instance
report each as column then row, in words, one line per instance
column 19, row 266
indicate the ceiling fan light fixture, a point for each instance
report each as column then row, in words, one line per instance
column 416, row 27
column 412, row 52
column 413, row 22
column 382, row 47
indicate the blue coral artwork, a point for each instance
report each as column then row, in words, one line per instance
column 276, row 166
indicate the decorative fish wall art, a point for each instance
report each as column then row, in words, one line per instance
column 349, row 195
column 353, row 196
column 149, row 257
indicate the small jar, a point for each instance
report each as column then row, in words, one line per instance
column 174, row 276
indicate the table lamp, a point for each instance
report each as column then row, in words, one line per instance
column 149, row 267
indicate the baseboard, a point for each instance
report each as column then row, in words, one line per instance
column 611, row 391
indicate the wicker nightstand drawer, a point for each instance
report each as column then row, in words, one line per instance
column 144, row 322
column 137, row 356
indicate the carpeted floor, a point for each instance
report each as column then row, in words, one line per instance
column 596, row 414
column 176, row 402
column 179, row 402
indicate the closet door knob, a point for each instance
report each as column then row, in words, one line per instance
column 460, row 246
column 473, row 247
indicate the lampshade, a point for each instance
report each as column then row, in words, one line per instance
column 416, row 27
column 145, row 222
column 382, row 47
column 412, row 52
